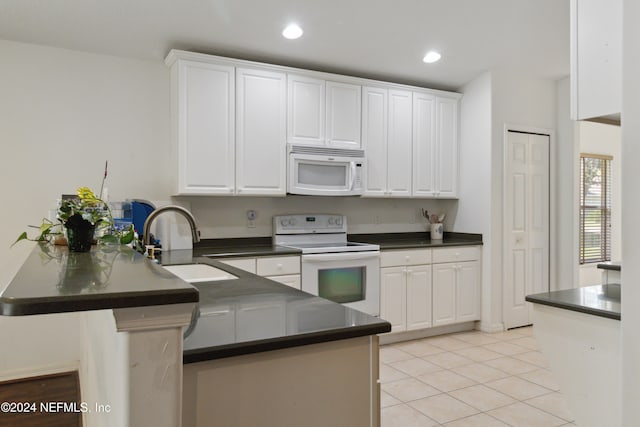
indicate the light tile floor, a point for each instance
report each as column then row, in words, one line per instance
column 470, row 379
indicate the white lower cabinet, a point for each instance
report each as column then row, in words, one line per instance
column 456, row 286
column 418, row 297
column 406, row 289
column 393, row 297
column 416, row 294
column 281, row 269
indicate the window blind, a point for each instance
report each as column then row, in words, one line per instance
column 595, row 208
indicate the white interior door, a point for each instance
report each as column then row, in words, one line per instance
column 526, row 218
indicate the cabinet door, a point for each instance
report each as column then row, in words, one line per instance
column 374, row 139
column 596, row 58
column 292, row 280
column 205, row 127
column 468, row 291
column 424, row 137
column 393, row 297
column 246, row 264
column 260, row 132
column 444, row 294
column 399, row 143
column 305, row 110
column 418, row 297
column 446, row 164
column 343, row 114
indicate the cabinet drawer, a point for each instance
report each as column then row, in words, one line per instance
column 456, row 254
column 292, row 280
column 278, row 266
column 246, row 264
column 405, row 257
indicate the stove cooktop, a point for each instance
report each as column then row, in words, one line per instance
column 319, row 248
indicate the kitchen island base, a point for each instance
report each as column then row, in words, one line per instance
column 583, row 352
column 327, row 384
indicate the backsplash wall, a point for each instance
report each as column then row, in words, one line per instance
column 223, row 217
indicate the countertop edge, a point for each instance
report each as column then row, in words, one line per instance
column 270, row 344
column 262, row 246
column 611, row 267
column 573, row 307
column 45, row 305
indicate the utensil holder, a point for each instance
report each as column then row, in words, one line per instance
column 437, row 231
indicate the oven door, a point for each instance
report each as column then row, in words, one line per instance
column 325, row 176
column 352, row 278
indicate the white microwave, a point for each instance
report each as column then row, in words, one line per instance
column 322, row 171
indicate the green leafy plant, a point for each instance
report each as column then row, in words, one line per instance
column 90, row 208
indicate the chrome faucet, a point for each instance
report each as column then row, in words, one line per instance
column 195, row 234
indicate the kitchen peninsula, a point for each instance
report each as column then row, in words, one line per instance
column 578, row 331
column 258, row 348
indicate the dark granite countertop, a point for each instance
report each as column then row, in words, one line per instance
column 389, row 241
column 610, row 265
column 599, row 300
column 54, row 280
column 241, row 247
column 252, row 314
column 262, row 246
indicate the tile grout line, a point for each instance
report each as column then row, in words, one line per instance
column 480, row 344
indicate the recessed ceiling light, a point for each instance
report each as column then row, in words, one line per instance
column 293, row 31
column 431, row 57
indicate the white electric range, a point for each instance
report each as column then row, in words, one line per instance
column 332, row 267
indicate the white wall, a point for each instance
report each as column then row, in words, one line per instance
column 630, row 208
column 522, row 101
column 62, row 114
column 567, row 195
column 597, row 138
column 474, row 207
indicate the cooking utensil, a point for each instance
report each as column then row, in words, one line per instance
column 441, row 218
column 433, row 219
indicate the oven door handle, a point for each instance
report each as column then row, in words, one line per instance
column 344, row 256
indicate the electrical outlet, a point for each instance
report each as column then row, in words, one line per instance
column 251, row 219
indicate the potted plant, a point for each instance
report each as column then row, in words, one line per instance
column 80, row 216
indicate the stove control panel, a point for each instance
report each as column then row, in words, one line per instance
column 309, row 224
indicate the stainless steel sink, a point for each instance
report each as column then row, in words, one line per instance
column 194, row 273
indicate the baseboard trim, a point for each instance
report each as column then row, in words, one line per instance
column 491, row 327
column 394, row 337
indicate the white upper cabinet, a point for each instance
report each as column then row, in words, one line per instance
column 596, row 59
column 306, row 110
column 386, row 139
column 260, row 132
column 343, row 114
column 324, row 113
column 232, row 120
column 374, row 139
column 399, row 143
column 435, row 146
column 446, row 166
column 424, row 141
column 203, row 120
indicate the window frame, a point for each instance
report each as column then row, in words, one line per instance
column 603, row 209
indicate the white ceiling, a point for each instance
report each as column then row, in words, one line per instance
column 383, row 39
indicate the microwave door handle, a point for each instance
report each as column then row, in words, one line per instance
column 353, row 175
